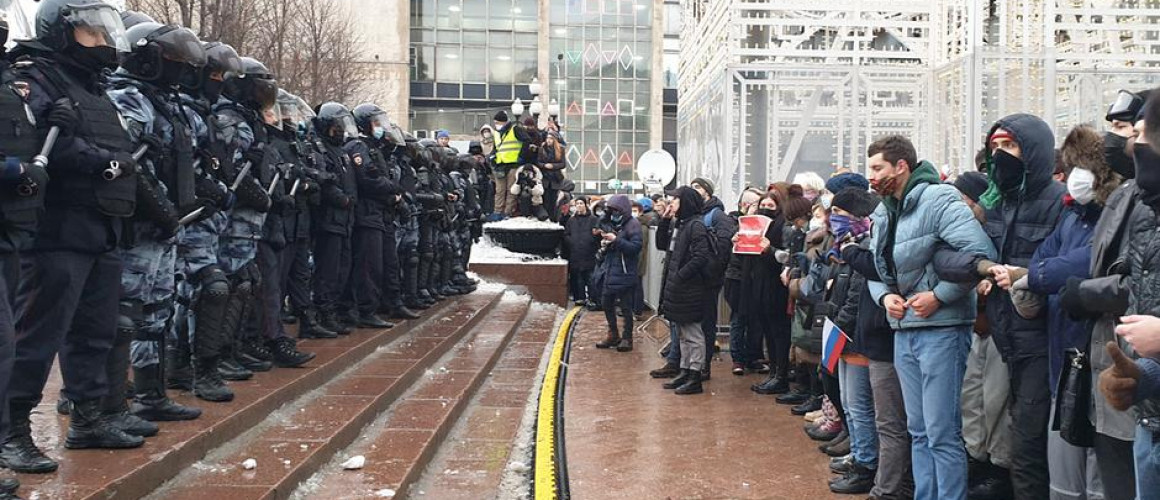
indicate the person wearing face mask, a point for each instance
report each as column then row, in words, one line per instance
column 621, row 240
column 932, row 318
column 1064, row 255
column 745, row 356
column 761, row 300
column 1102, row 299
column 510, row 138
column 581, row 244
column 69, row 296
column 1023, row 206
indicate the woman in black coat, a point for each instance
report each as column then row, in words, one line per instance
column 580, row 244
column 684, row 284
column 762, row 299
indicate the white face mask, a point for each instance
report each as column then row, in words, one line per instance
column 1081, row 185
column 816, row 223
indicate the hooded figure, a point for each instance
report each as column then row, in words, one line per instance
column 621, row 242
column 684, row 285
column 1024, row 204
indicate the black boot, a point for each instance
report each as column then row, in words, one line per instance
column 286, row 353
column 858, row 481
column 231, row 369
column 207, row 381
column 178, row 370
column 88, row 429
column 794, row 397
column 287, row 315
column 373, row 321
column 692, row 385
column 309, row 326
column 625, row 344
column 994, row 485
column 348, row 318
column 403, row 312
column 254, row 356
column 330, row 322
column 610, row 341
column 20, row 452
column 772, row 385
column 151, row 402
column 814, row 403
column 8, row 487
column 667, row 371
column 680, row 380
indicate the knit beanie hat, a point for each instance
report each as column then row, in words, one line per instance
column 859, row 202
column 501, row 117
column 849, row 179
column 972, row 184
column 705, row 184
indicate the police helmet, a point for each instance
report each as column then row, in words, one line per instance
column 334, row 123
column 254, row 86
column 164, row 54
column 59, row 21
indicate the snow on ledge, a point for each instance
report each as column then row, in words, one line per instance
column 487, row 252
column 524, row 224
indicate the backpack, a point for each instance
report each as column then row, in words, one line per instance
column 720, row 244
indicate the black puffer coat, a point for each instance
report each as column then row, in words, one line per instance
column 684, row 282
column 1144, row 283
column 1017, row 225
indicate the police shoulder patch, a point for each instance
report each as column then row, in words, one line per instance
column 358, row 160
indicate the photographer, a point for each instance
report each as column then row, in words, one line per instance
column 529, row 192
column 620, row 246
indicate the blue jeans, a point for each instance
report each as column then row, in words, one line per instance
column 930, row 364
column 738, row 342
column 858, row 402
column 1147, row 450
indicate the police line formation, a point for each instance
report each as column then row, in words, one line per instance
column 162, row 199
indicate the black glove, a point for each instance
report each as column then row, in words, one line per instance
column 63, row 116
column 122, row 161
column 254, row 156
column 156, row 147
column 1071, row 301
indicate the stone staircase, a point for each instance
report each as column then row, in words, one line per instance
column 399, row 390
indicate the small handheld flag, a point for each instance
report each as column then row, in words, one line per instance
column 833, row 343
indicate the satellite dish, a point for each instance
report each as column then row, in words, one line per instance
column 656, row 167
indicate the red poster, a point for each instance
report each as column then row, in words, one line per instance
column 750, row 230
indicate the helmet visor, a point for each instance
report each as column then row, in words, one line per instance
column 1125, row 107
column 293, row 108
column 98, row 25
column 265, row 92
column 272, row 115
column 349, row 128
column 182, row 46
column 395, row 135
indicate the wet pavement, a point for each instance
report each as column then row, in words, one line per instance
column 629, row 438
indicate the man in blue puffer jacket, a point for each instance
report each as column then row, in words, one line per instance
column 1023, row 205
column 932, row 318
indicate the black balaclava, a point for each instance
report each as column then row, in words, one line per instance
column 1010, row 171
column 1116, row 157
column 1148, row 174
column 691, row 203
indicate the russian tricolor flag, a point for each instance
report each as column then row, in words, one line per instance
column 833, row 342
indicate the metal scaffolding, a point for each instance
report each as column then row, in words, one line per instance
column 769, row 88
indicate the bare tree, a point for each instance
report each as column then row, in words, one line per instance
column 311, row 45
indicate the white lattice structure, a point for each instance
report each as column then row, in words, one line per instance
column 773, row 87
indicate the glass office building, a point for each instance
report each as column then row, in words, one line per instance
column 471, row 58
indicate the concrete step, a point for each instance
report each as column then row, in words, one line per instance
column 402, row 441
column 490, row 449
column 298, row 439
column 132, row 474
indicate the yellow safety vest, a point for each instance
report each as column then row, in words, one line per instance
column 508, row 149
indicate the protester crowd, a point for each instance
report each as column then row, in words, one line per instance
column 994, row 335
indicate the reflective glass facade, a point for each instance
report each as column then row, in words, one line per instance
column 606, row 93
column 471, row 58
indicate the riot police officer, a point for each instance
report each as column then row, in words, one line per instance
column 246, row 97
column 334, row 220
column 72, row 272
column 433, row 199
column 145, row 93
column 305, row 189
column 377, row 195
column 22, row 186
column 410, row 156
column 203, row 288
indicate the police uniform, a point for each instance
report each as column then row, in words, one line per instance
column 376, row 196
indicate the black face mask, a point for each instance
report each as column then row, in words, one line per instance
column 772, row 214
column 95, row 59
column 1010, row 171
column 212, row 90
column 1147, row 174
column 1117, row 159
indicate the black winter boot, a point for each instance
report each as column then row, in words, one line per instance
column 20, row 452
column 373, row 321
column 403, row 312
column 859, row 480
column 151, row 403
column 667, row 371
column 89, row 429
column 178, row 370
column 329, row 321
column 692, row 385
column 680, row 380
column 309, row 326
column 286, row 353
column 207, row 381
column 231, row 369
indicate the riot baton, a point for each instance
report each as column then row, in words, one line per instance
column 273, row 184
column 294, row 188
column 192, row 216
column 41, row 160
column 114, row 171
